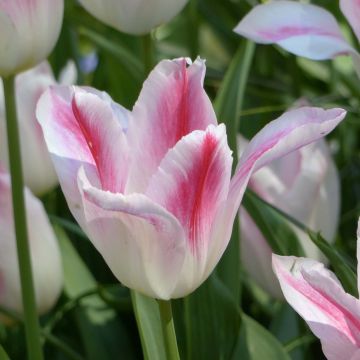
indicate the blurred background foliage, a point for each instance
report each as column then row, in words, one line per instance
column 94, row 318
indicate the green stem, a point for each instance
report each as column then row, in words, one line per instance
column 148, row 54
column 193, row 33
column 27, row 286
column 167, row 324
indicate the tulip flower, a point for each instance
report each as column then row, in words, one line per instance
column 29, row 31
column 45, row 253
column 38, row 170
column 152, row 188
column 134, row 17
column 302, row 29
column 304, row 184
column 317, row 296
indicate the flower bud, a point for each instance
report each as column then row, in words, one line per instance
column 134, row 16
column 45, row 253
column 305, row 185
column 28, row 32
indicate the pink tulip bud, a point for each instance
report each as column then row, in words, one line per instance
column 152, row 188
column 134, row 16
column 38, row 170
column 29, row 30
column 45, row 253
column 317, row 296
column 304, row 184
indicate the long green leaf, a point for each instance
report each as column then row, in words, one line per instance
column 342, row 269
column 274, row 227
column 3, row 354
column 212, row 320
column 228, row 105
column 257, row 343
column 149, row 325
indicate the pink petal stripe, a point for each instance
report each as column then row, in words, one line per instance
column 171, row 105
column 81, row 127
column 105, row 139
column 192, row 181
column 318, row 297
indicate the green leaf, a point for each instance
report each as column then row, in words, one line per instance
column 3, row 354
column 104, row 337
column 228, row 105
column 342, row 268
column 149, row 325
column 212, row 321
column 273, row 225
column 257, row 343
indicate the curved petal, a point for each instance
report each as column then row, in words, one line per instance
column 192, row 182
column 316, row 294
column 291, row 131
column 80, row 129
column 142, row 243
column 172, row 104
column 351, row 10
column 302, row 29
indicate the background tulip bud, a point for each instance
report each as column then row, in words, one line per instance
column 45, row 254
column 134, row 16
column 28, row 32
column 39, row 173
column 304, row 184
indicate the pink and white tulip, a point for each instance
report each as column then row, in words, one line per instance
column 134, row 16
column 317, row 295
column 29, row 30
column 45, row 253
column 302, row 29
column 152, row 188
column 38, row 170
column 304, row 184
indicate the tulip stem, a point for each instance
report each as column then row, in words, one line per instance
column 148, row 53
column 193, row 33
column 27, row 285
column 167, row 323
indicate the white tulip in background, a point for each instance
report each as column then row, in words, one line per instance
column 134, row 16
column 45, row 253
column 39, row 173
column 304, row 184
column 28, row 32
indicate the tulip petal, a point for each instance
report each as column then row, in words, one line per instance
column 289, row 132
column 81, row 129
column 302, row 29
column 191, row 182
column 351, row 10
column 141, row 242
column 316, row 294
column 172, row 103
